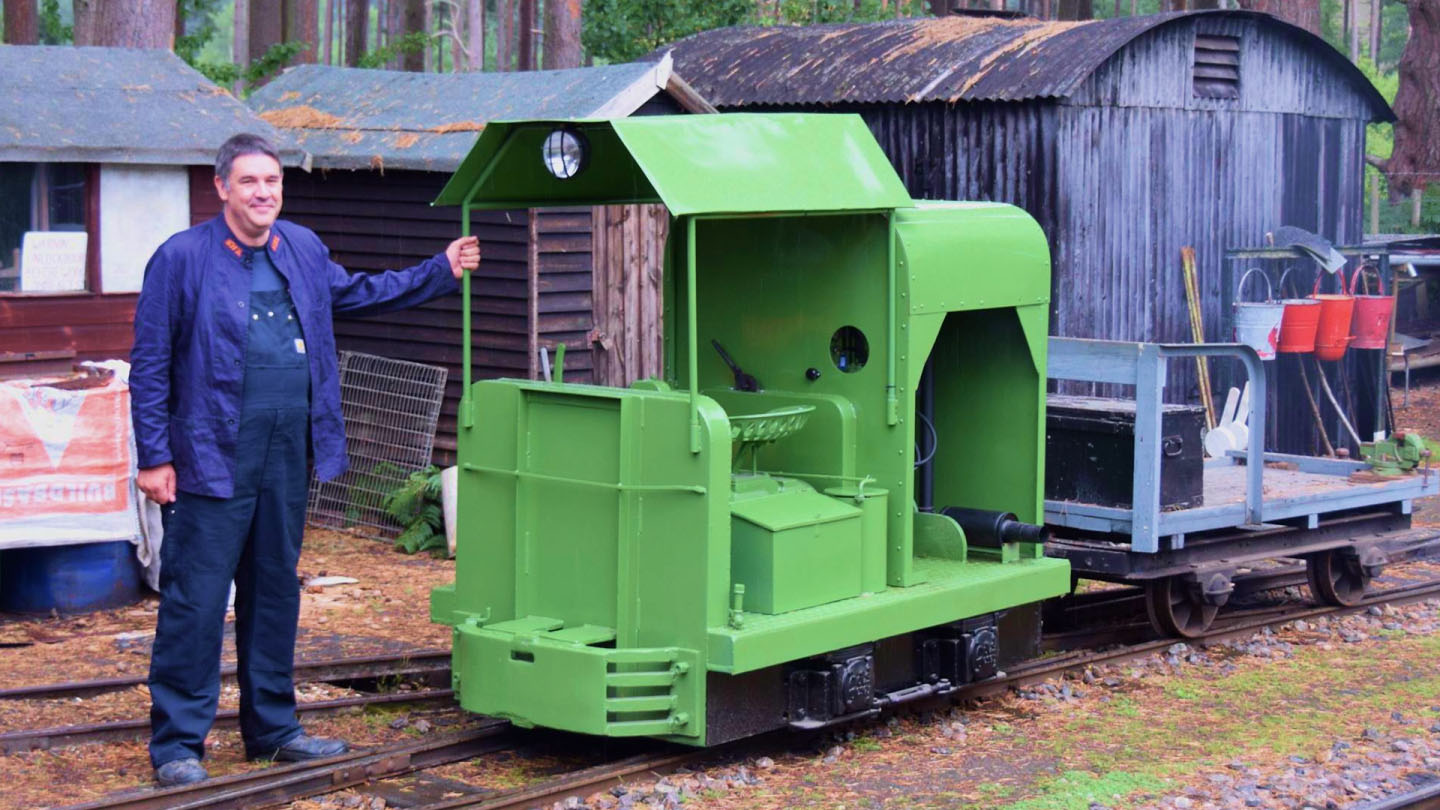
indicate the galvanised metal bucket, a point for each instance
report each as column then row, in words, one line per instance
column 1372, row 317
column 1298, row 324
column 1332, row 334
column 1257, row 324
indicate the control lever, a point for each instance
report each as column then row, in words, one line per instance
column 743, row 381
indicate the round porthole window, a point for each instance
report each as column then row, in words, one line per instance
column 849, row 349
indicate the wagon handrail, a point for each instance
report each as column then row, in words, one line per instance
column 1143, row 365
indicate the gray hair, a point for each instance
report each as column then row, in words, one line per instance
column 245, row 143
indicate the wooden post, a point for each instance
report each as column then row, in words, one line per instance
column 1374, row 202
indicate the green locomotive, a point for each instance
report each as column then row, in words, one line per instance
column 723, row 552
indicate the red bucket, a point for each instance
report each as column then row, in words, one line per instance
column 1298, row 323
column 1372, row 318
column 1332, row 334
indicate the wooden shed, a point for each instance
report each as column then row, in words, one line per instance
column 383, row 144
column 104, row 153
column 1126, row 138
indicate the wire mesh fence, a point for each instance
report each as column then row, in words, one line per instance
column 390, row 408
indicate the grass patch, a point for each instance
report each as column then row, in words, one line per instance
column 1075, row 790
column 865, row 744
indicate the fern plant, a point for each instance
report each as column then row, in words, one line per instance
column 416, row 506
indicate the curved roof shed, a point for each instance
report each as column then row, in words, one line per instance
column 1126, row 138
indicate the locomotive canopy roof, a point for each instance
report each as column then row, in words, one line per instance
column 703, row 164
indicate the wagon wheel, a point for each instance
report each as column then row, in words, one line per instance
column 1176, row 610
column 1336, row 579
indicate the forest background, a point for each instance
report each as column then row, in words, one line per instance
column 242, row 43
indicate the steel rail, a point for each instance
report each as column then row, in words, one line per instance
column 15, row 742
column 284, row 783
column 577, row 783
column 1424, row 798
column 420, row 662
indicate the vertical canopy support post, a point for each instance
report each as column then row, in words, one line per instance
column 692, row 358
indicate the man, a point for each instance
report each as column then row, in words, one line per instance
column 234, row 385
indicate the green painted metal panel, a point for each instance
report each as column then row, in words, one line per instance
column 758, row 162
column 539, row 679
column 701, row 164
column 794, row 548
column 960, row 256
column 775, row 291
column 951, row 589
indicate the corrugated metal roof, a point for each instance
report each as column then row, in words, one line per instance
column 957, row 58
column 350, row 118
column 116, row 105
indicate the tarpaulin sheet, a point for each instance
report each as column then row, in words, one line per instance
column 66, row 465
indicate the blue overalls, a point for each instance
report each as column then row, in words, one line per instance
column 252, row 538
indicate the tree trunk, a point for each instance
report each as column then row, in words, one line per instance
column 1354, row 22
column 411, row 19
column 357, row 30
column 240, row 43
column 1077, row 9
column 504, row 22
column 1415, row 163
column 87, row 21
column 525, row 35
column 394, row 30
column 475, row 33
column 22, row 22
column 267, row 26
column 1304, row 13
column 332, row 10
column 302, row 24
column 1375, row 25
column 940, row 8
column 562, row 34
column 136, row 24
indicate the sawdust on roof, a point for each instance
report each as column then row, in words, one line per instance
column 303, row 116
column 1020, row 43
column 459, row 126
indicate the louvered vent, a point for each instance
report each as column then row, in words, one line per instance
column 1217, row 66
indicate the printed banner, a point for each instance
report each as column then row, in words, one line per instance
column 66, row 465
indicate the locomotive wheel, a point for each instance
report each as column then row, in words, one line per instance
column 1336, row 579
column 1175, row 610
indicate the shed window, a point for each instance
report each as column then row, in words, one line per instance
column 1217, row 66
column 44, row 210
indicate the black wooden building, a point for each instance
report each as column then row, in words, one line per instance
column 1126, row 138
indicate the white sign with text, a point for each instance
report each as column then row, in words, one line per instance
column 53, row 261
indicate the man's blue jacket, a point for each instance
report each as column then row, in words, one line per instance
column 188, row 364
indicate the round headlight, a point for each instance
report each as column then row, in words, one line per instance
column 565, row 153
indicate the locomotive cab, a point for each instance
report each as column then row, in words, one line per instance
column 761, row 538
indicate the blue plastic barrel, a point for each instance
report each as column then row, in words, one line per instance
column 69, row 579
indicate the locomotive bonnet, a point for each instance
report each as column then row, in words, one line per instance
column 827, row 501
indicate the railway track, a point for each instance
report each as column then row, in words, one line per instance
column 277, row 786
column 408, row 664
column 15, row 742
column 1422, row 798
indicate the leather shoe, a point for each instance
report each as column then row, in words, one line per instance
column 305, row 747
column 185, row 771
